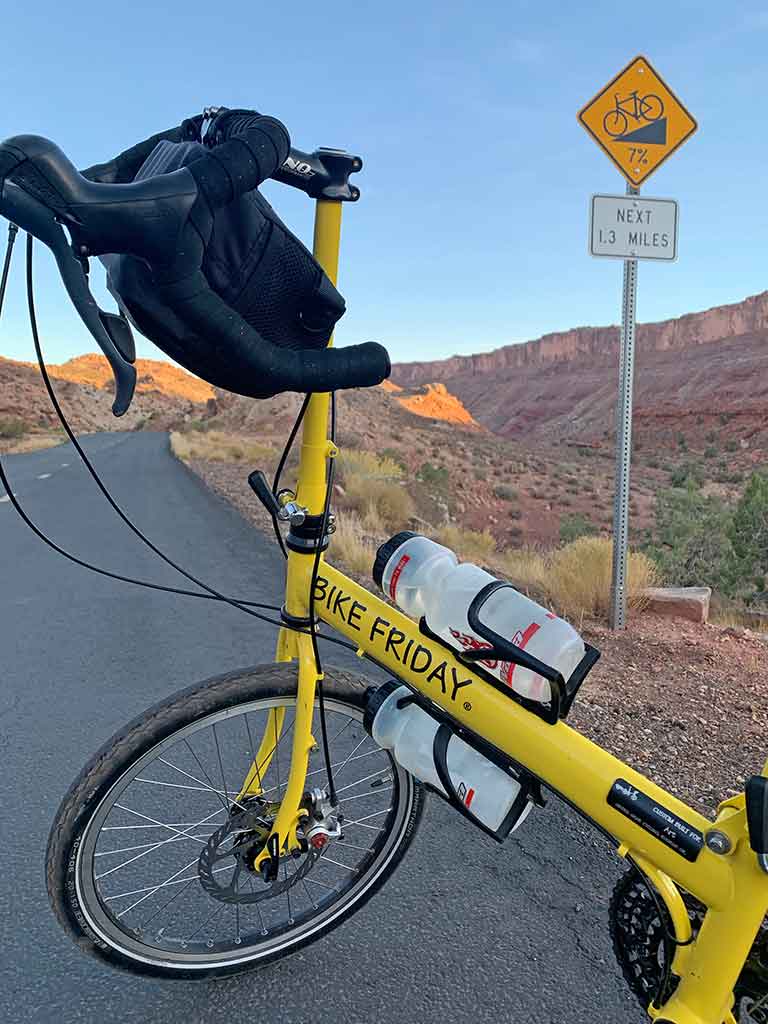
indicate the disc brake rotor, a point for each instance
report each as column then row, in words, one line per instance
column 226, row 860
column 639, row 933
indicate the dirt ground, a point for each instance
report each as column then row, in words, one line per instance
column 685, row 704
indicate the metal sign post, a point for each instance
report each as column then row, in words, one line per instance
column 638, row 122
column 618, row 612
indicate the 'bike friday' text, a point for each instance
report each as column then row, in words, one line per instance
column 404, row 650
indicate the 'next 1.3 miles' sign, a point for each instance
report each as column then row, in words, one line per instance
column 631, row 227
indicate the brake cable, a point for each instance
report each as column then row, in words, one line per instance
column 211, row 594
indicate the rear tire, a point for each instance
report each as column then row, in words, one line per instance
column 78, row 893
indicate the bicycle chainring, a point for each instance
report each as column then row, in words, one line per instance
column 222, row 866
column 639, row 935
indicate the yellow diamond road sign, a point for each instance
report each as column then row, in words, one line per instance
column 637, row 120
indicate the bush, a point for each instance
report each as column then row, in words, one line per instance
column 691, row 544
column 682, row 444
column 216, row 446
column 362, row 464
column 505, row 491
column 393, row 505
column 12, row 428
column 437, row 476
column 480, row 474
column 576, row 579
column 469, row 545
column 731, row 446
column 579, row 577
column 748, row 534
column 574, row 526
column 394, row 456
column 710, row 452
column 350, row 546
column 688, row 474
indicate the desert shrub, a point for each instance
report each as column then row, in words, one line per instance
column 351, row 546
column 748, row 534
column 731, row 446
column 395, row 456
column 574, row 526
column 710, row 452
column 578, row 577
column 216, row 446
column 480, row 474
column 12, row 428
column 437, row 476
column 682, row 444
column 711, row 437
column 526, row 568
column 689, row 473
column 653, row 463
column 691, row 544
column 505, row 491
column 367, row 465
column 393, row 504
column 469, row 545
column 725, row 476
column 575, row 580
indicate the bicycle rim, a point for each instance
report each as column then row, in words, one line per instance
column 141, row 893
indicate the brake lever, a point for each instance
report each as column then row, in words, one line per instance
column 31, row 215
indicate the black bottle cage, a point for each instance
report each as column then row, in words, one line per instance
column 562, row 693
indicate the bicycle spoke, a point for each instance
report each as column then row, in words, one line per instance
column 221, row 766
column 364, row 796
column 143, row 846
column 381, row 771
column 156, row 846
column 179, row 797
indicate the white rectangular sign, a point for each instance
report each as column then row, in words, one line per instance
column 633, row 228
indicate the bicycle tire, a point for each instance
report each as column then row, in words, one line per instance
column 158, row 725
column 645, row 102
column 620, row 122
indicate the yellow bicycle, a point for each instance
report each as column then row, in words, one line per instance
column 244, row 817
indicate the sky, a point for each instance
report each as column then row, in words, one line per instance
column 471, row 232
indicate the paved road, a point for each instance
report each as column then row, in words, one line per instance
column 465, row 931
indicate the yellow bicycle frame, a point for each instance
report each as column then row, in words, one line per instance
column 730, row 884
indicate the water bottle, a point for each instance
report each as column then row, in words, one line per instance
column 491, row 796
column 426, row 579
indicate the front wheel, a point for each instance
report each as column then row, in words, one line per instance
column 130, row 868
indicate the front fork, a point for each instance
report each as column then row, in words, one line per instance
column 291, row 644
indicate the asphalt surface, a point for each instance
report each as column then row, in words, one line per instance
column 464, row 931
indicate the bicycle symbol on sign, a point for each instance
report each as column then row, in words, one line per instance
column 640, row 108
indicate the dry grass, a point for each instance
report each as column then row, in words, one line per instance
column 355, row 464
column 351, row 546
column 527, row 569
column 580, row 577
column 383, row 503
column 216, row 446
column 31, row 443
column 469, row 545
column 576, row 579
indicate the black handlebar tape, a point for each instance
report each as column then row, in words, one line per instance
column 242, row 163
column 125, row 166
column 272, row 369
